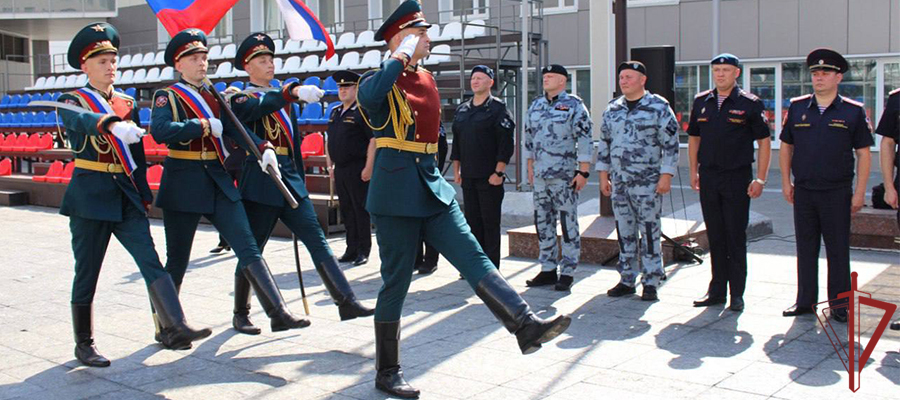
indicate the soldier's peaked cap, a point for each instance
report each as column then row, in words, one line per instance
column 826, row 59
column 186, row 42
column 407, row 15
column 94, row 39
column 254, row 45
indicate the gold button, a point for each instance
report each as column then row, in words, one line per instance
column 416, row 113
column 111, row 168
column 417, row 159
column 404, row 74
column 417, row 136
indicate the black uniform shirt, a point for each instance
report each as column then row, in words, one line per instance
column 727, row 134
column 348, row 136
column 824, row 143
column 889, row 126
column 482, row 137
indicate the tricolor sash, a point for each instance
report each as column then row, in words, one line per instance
column 283, row 118
column 99, row 105
column 195, row 102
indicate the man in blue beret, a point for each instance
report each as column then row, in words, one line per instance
column 820, row 135
column 409, row 199
column 195, row 184
column 724, row 124
column 109, row 195
column 270, row 118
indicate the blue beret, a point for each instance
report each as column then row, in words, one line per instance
column 726, row 58
column 484, row 69
column 632, row 65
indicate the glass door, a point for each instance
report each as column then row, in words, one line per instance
column 762, row 80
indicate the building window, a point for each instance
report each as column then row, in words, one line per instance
column 762, row 84
column 330, row 13
column 860, row 84
column 272, row 21
column 689, row 80
column 891, row 79
column 224, row 31
column 583, row 86
column 14, row 48
column 560, row 6
column 463, row 10
column 648, row 3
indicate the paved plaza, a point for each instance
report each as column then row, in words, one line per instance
column 452, row 347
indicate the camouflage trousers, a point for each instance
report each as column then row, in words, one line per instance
column 637, row 223
column 555, row 199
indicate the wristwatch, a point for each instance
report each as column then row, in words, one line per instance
column 500, row 174
column 582, row 173
column 760, row 181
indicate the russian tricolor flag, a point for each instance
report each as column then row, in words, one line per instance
column 178, row 15
column 302, row 24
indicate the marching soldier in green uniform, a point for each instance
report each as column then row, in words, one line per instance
column 195, row 184
column 108, row 194
column 401, row 102
column 268, row 115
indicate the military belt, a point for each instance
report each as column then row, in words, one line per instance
column 99, row 166
column 405, row 145
column 193, row 155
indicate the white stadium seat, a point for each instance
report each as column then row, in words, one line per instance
column 452, row 31
column 330, row 64
column 137, row 60
column 474, row 29
column 49, row 82
column 81, row 81
column 70, row 81
column 372, row 59
column 160, row 58
column 349, row 60
column 439, row 54
column 279, row 46
column 434, row 33
column 229, row 51
column 149, row 59
column 292, row 47
column 310, row 63
column 215, row 52
column 125, row 61
column 279, row 64
column 366, row 39
column 39, row 83
column 346, row 41
column 224, row 70
column 127, row 77
column 153, row 75
column 309, row 45
column 291, row 65
column 167, row 74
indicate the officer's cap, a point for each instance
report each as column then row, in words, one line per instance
column 408, row 15
column 632, row 65
column 726, row 58
column 555, row 69
column 826, row 59
column 94, row 39
column 254, row 45
column 484, row 69
column 186, row 42
column 346, row 78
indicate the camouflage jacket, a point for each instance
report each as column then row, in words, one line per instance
column 558, row 136
column 637, row 146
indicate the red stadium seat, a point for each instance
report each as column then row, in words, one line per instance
column 56, row 169
column 34, row 143
column 66, row 176
column 313, row 145
column 154, row 176
column 5, row 167
column 8, row 142
column 46, row 142
column 21, row 143
column 150, row 146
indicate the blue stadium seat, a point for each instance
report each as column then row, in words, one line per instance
column 4, row 102
column 27, row 120
column 131, row 92
column 220, row 87
column 144, row 116
column 313, row 80
column 26, row 98
column 52, row 119
column 312, row 114
column 330, row 87
column 47, row 96
column 4, row 120
column 291, row 80
column 14, row 101
column 56, row 95
column 275, row 83
column 237, row 84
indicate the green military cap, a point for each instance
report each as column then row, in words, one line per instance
column 254, row 45
column 94, row 39
column 408, row 15
column 186, row 42
column 346, row 78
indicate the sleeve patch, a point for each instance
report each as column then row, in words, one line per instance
column 162, row 100
column 506, row 123
column 72, row 102
column 240, row 100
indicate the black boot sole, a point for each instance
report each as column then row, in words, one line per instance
column 402, row 395
column 281, row 328
column 95, row 364
column 354, row 313
column 559, row 326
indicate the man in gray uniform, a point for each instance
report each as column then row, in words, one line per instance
column 558, row 149
column 639, row 155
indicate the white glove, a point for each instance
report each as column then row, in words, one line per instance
column 309, row 93
column 268, row 158
column 215, row 127
column 127, row 133
column 408, row 45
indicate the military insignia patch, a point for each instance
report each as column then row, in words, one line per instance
column 72, row 102
column 737, row 112
column 241, row 100
column 161, row 101
column 506, row 123
column 561, row 107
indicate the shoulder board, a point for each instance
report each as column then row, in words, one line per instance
column 854, row 102
column 749, row 95
column 500, row 101
column 423, row 69
column 804, row 97
column 660, row 98
column 703, row 93
column 575, row 96
column 895, row 91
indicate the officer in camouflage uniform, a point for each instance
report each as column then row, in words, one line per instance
column 639, row 154
column 558, row 149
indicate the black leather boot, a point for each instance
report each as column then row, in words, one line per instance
column 515, row 314
column 339, row 289
column 269, row 296
column 83, row 324
column 896, row 325
column 241, row 321
column 389, row 376
column 176, row 333
column 543, row 278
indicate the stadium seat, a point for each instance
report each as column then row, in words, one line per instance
column 39, row 83
column 66, row 172
column 475, row 29
column 311, row 112
column 237, row 84
column 22, row 142
column 5, row 167
column 144, row 117
column 4, row 121
column 439, row 54
column 215, row 52
column 313, row 80
column 167, row 74
column 4, row 102
column 66, row 176
column 308, row 45
column 279, row 64
column 137, row 60
column 14, row 101
column 160, row 58
column 131, row 92
column 365, row 39
column 81, row 80
column 45, row 143
column 56, row 169
column 56, row 95
column 275, row 83
column 313, row 145
column 434, row 32
column 310, row 63
column 330, row 64
column 8, row 142
column 140, row 76
column 50, row 82
column 346, row 41
column 350, row 60
column 125, row 61
column 127, row 77
column 372, row 59
column 149, row 145
column 229, row 51
column 154, row 176
column 224, row 70
column 290, row 80
column 220, row 87
column 330, row 108
column 293, row 47
column 330, row 87
column 149, row 59
column 279, row 46
column 34, row 143
column 452, row 31
column 153, row 75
